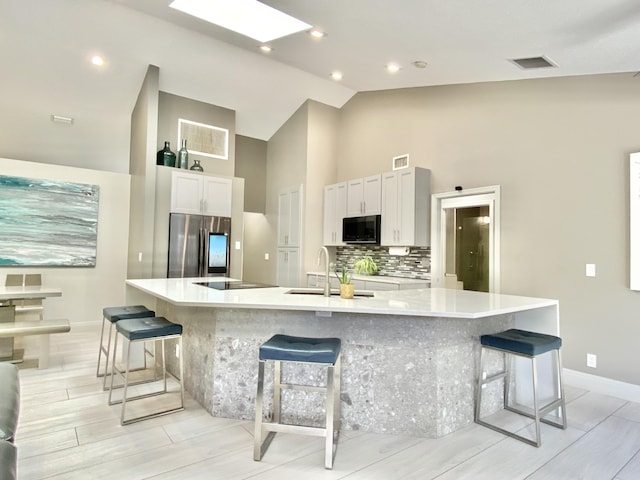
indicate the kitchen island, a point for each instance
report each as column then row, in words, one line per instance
column 409, row 357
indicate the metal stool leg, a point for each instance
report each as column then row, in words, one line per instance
column 277, row 391
column 330, row 402
column 101, row 350
column 257, row 434
column 536, row 410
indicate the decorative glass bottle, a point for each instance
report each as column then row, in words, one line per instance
column 196, row 167
column 166, row 157
column 183, row 155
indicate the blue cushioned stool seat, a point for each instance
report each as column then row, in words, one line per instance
column 142, row 330
column 145, row 328
column 522, row 342
column 285, row 348
column 113, row 314
column 300, row 349
column 528, row 346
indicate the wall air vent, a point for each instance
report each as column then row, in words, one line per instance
column 399, row 162
column 533, row 62
column 205, row 140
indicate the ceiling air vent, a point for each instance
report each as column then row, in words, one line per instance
column 533, row 62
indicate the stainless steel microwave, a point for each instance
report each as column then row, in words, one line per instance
column 361, row 229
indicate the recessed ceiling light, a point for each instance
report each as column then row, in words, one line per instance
column 392, row 67
column 266, row 48
column 420, row 64
column 247, row 17
column 316, row 33
column 97, row 60
column 336, row 75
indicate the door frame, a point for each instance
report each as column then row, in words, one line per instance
column 475, row 197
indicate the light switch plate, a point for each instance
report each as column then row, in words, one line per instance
column 266, row 256
column 591, row 270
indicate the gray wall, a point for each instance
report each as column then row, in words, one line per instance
column 144, row 133
column 251, row 164
column 286, row 167
column 559, row 148
column 173, row 107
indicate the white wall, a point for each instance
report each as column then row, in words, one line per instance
column 85, row 291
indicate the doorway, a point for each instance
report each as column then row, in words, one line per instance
column 465, row 240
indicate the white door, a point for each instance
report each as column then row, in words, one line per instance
column 446, row 207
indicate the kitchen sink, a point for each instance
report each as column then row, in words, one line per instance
column 320, row 291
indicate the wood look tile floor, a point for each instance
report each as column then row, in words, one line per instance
column 67, row 431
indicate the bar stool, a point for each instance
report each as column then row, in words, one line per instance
column 141, row 330
column 531, row 345
column 285, row 348
column 113, row 315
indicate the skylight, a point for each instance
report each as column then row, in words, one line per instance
column 247, row 17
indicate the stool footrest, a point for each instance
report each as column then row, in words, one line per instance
column 554, row 405
column 298, row 429
column 494, row 377
column 508, row 433
column 152, row 415
column 305, row 388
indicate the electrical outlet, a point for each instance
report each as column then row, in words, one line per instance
column 266, row 256
column 177, row 351
column 592, row 360
column 590, row 270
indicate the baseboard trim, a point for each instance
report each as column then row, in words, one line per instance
column 606, row 386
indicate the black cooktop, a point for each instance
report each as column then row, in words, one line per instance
column 237, row 285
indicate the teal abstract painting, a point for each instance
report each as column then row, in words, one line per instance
column 48, row 223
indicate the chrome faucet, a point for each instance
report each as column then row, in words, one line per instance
column 327, row 284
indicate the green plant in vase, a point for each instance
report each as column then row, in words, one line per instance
column 346, row 287
column 365, row 266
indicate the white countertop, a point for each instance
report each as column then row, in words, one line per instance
column 426, row 302
column 382, row 278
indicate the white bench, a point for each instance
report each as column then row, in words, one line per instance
column 43, row 328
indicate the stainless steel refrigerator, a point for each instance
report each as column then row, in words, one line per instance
column 198, row 245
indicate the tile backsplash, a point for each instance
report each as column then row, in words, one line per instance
column 417, row 264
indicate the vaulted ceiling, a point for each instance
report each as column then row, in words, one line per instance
column 45, row 49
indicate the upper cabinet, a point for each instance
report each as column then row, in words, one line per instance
column 289, row 217
column 363, row 196
column 406, row 198
column 200, row 194
column 335, row 209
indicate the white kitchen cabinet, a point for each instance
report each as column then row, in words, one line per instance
column 364, row 196
column 288, row 271
column 335, row 209
column 289, row 201
column 406, row 198
column 200, row 194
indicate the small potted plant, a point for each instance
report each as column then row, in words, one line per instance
column 365, row 266
column 346, row 287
